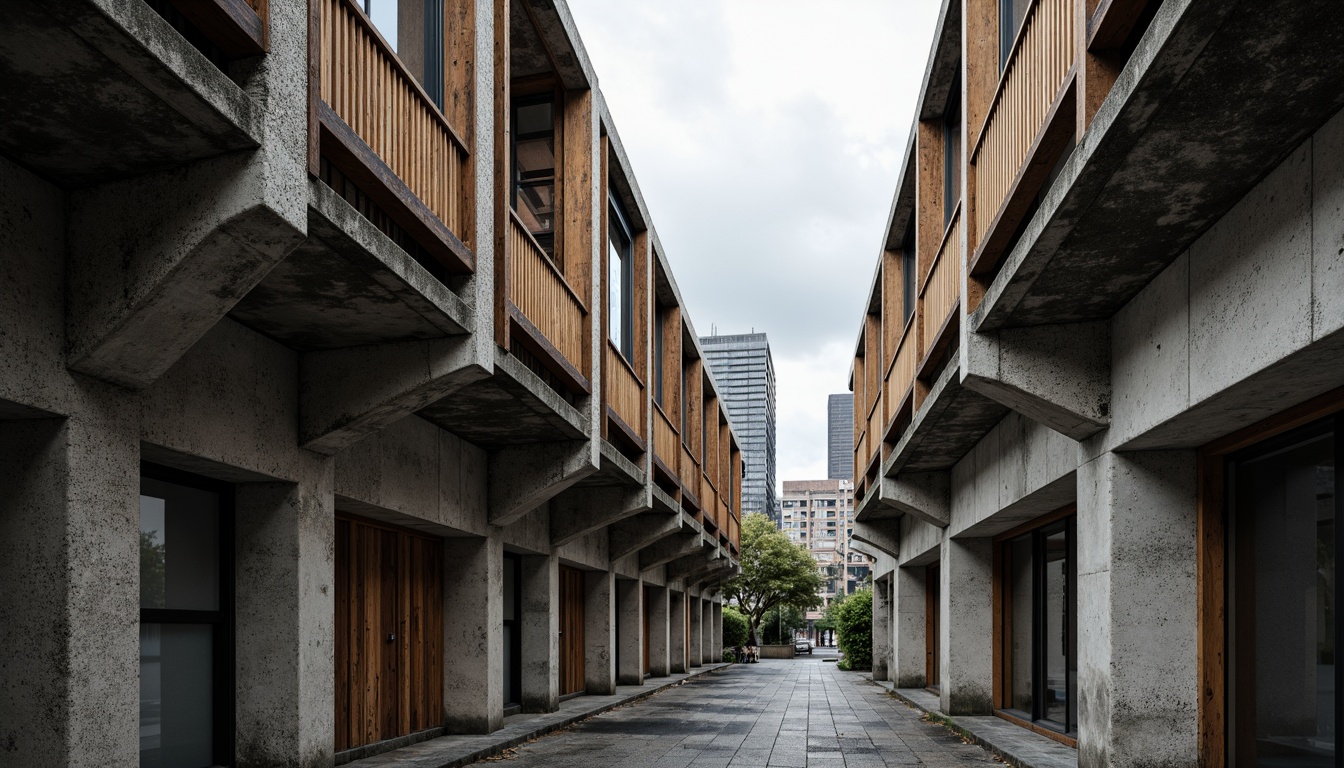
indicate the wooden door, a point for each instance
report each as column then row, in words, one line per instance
column 571, row 630
column 389, row 632
column 932, row 626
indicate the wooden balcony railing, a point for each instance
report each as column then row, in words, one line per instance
column 625, row 392
column 539, row 291
column 873, row 434
column 689, row 472
column 942, row 289
column 1035, row 77
column 901, row 374
column 666, row 441
column 422, row 167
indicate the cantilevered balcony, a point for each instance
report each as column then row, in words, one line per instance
column 1029, row 123
column 625, row 397
column 940, row 299
column 383, row 134
column 550, row 315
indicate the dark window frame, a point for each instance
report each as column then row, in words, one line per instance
column 513, row 625
column 545, row 240
column 619, row 225
column 659, row 328
column 952, row 160
column 223, row 620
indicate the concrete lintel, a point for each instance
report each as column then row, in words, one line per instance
column 883, row 535
column 157, row 261
column 636, row 533
column 579, row 511
column 925, row 495
column 345, row 394
column 670, row 549
column 1058, row 375
column 523, row 477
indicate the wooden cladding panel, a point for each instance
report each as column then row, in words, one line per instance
column 539, row 290
column 689, row 471
column 368, row 87
column 942, row 290
column 571, row 630
column 901, row 375
column 389, row 632
column 1035, row 74
column 625, row 393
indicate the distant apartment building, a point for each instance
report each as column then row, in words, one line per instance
column 819, row 514
column 840, row 436
column 745, row 373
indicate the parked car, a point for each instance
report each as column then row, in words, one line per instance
column 802, row 645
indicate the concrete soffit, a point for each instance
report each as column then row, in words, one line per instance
column 523, row 477
column 1057, row 375
column 881, row 535
column 632, row 534
column 923, row 495
column 579, row 511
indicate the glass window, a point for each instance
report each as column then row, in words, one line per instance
column 620, row 284
column 413, row 29
column 534, row 168
column 659, row 328
column 908, row 272
column 952, row 152
column 1040, row 656
column 1011, row 15
column 1283, row 685
column 185, row 624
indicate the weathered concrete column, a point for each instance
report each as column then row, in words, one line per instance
column 695, row 653
column 908, row 636
column 599, row 632
column 540, row 636
column 716, row 632
column 284, row 604
column 676, row 631
column 881, row 629
column 707, row 631
column 659, row 632
column 70, row 607
column 630, row 632
column 1138, row 693
column 473, row 633
column 966, row 672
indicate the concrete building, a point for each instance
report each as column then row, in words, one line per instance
column 346, row 396
column 746, row 374
column 819, row 514
column 840, row 436
column 1098, row 381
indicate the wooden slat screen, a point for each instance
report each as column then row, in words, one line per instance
column 625, row 393
column 690, row 470
column 539, row 291
column 1035, row 73
column 942, row 289
column 873, row 434
column 901, row 374
column 666, row 442
column 365, row 83
column 389, row 632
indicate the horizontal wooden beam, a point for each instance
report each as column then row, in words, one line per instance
column 231, row 25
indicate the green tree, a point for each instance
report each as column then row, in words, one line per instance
column 734, row 627
column 775, row 571
column 778, row 624
column 152, row 570
column 854, row 630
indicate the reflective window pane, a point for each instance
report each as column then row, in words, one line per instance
column 179, row 547
column 616, row 290
column 383, row 14
column 1283, row 604
column 1056, row 637
column 176, row 696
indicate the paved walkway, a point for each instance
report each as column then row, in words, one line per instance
column 799, row 713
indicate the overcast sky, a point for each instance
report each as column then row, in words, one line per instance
column 766, row 136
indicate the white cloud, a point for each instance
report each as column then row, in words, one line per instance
column 766, row 136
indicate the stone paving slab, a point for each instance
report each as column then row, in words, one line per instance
column 1015, row 744
column 788, row 713
column 454, row 751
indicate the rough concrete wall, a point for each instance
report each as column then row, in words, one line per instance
column 966, row 627
column 996, row 486
column 1138, row 687
column 919, row 541
column 1200, row 350
column 910, row 648
column 589, row 550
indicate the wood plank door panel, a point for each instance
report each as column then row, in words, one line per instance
column 644, row 610
column 571, row 630
column 389, row 632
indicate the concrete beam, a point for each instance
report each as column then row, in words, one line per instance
column 670, row 549
column 346, row 394
column 1058, row 375
column 925, row 495
column 523, row 477
column 640, row 531
column 714, row 574
column 580, row 511
column 883, row 535
column 158, row 260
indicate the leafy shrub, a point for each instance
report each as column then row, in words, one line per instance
column 734, row 627
column 854, row 630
